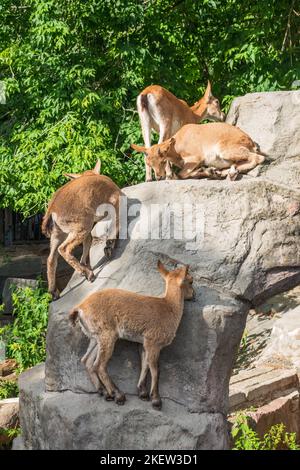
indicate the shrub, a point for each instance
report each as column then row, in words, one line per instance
column 8, row 389
column 26, row 337
column 7, row 436
column 246, row 438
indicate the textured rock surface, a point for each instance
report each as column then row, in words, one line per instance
column 26, row 266
column 284, row 342
column 7, row 367
column 259, row 325
column 261, row 385
column 273, row 121
column 9, row 413
column 236, row 259
column 285, row 410
column 239, row 255
column 69, row 420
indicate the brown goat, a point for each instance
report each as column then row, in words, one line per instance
column 72, row 212
column 160, row 110
column 211, row 150
column 110, row 314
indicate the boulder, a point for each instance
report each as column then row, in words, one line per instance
column 284, row 343
column 225, row 231
column 25, row 266
column 272, row 119
column 9, row 411
column 7, row 367
column 67, row 420
column 285, row 410
column 9, row 420
column 260, row 386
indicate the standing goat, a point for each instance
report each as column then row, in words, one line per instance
column 70, row 217
column 160, row 110
column 223, row 149
column 110, row 314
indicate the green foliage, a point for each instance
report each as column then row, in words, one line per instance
column 26, row 337
column 73, row 69
column 7, row 436
column 8, row 389
column 246, row 438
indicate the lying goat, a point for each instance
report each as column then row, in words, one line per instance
column 70, row 217
column 223, row 149
column 110, row 314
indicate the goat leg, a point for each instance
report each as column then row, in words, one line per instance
column 106, row 344
column 142, row 389
column 153, row 352
column 88, row 360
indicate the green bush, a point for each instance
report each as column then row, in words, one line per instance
column 8, row 389
column 7, row 436
column 246, row 438
column 26, row 337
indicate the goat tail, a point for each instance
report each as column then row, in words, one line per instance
column 73, row 315
column 47, row 225
column 143, row 99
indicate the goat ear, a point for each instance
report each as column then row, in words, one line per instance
column 72, row 176
column 97, row 168
column 163, row 271
column 208, row 94
column 138, row 148
column 183, row 273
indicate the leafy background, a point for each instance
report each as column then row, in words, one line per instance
column 73, row 69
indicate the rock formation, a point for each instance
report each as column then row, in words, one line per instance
column 247, row 248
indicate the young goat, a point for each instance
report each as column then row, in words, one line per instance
column 223, row 149
column 70, row 217
column 160, row 110
column 110, row 314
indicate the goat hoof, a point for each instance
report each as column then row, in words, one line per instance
column 108, row 252
column 214, row 173
column 109, row 397
column 55, row 294
column 233, row 173
column 91, row 277
column 144, row 395
column 156, row 403
column 120, row 399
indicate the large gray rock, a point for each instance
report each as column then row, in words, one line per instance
column 239, row 258
column 68, row 420
column 284, row 343
column 25, row 267
column 273, row 121
column 246, row 250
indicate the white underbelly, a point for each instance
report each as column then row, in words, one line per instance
column 213, row 158
column 130, row 336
